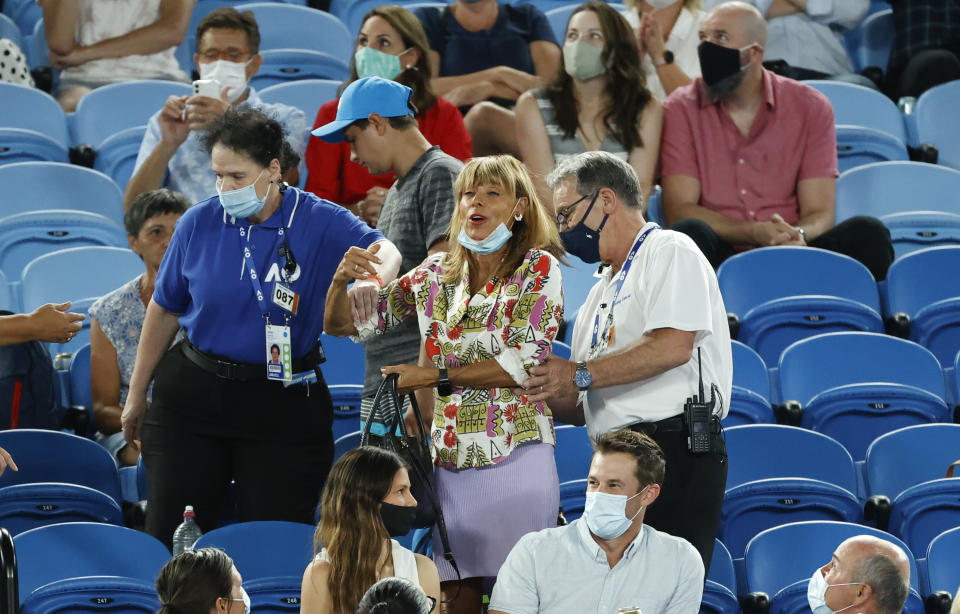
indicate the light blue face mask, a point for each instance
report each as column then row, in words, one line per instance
column 243, row 202
column 606, row 514
column 372, row 62
column 489, row 244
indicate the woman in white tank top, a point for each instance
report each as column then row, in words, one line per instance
column 366, row 501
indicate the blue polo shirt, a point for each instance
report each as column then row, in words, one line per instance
column 203, row 277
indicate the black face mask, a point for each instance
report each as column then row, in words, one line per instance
column 398, row 519
column 718, row 62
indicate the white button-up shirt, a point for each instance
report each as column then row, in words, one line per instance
column 564, row 570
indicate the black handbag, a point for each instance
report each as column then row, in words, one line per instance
column 414, row 450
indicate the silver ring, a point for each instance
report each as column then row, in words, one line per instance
column 541, row 388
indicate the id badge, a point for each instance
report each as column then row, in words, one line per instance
column 279, row 358
column 286, row 298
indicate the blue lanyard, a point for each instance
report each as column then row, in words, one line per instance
column 252, row 267
column 621, row 277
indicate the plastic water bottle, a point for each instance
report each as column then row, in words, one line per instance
column 187, row 533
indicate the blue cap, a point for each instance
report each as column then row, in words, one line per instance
column 362, row 98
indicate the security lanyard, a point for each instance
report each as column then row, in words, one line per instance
column 621, row 277
column 251, row 266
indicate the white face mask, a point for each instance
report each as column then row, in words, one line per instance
column 661, row 4
column 817, row 594
column 232, row 75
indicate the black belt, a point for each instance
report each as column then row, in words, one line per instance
column 673, row 424
column 243, row 371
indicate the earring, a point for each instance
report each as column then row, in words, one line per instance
column 518, row 217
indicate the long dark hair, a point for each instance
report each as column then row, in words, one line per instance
column 192, row 581
column 350, row 528
column 417, row 77
column 626, row 89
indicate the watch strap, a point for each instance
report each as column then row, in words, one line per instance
column 444, row 388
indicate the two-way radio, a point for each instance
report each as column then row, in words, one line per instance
column 698, row 416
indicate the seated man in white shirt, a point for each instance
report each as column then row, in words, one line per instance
column 607, row 560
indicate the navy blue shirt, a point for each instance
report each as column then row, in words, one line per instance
column 507, row 43
column 202, row 276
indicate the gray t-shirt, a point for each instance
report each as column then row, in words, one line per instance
column 415, row 215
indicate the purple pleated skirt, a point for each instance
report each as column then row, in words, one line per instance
column 487, row 510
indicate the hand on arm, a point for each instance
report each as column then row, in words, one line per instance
column 340, row 316
column 159, row 328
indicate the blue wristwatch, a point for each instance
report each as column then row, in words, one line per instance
column 582, row 378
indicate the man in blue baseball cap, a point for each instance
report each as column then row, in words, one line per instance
column 375, row 116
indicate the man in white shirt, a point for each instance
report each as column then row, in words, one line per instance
column 651, row 324
column 608, row 560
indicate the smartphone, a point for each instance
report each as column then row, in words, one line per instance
column 207, row 87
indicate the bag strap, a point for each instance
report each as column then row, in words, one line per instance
column 953, row 466
column 386, row 390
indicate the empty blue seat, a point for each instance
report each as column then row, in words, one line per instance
column 856, row 105
column 558, row 18
column 804, row 291
column 858, row 145
column 909, row 466
column 579, row 277
column 286, row 26
column 346, row 407
column 345, row 443
column 19, row 145
column 118, row 106
column 924, row 292
column 351, row 12
column 27, row 108
column 24, row 13
column 27, row 506
column 308, row 94
column 561, row 350
column 750, row 397
column 345, row 361
column 780, row 561
column 875, row 41
column 938, row 124
column 573, row 452
column 858, row 386
column 32, row 186
column 291, row 65
column 10, row 30
column 573, row 496
column 943, row 565
column 83, row 566
column 117, row 154
column 720, row 589
column 5, row 299
column 271, row 557
column 782, row 474
column 916, row 201
column 80, row 392
column 27, row 236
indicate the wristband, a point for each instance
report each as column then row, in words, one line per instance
column 376, row 277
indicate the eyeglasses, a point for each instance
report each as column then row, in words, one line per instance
column 563, row 215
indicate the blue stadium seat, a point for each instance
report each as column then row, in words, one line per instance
column 286, row 26
column 88, row 567
column 558, row 18
column 345, row 361
column 32, row 186
column 308, row 95
column 27, row 108
column 10, row 30
column 875, row 41
column 291, row 65
column 943, row 565
column 271, row 557
column 750, row 398
column 117, row 155
column 345, row 443
column 938, row 124
column 346, row 407
column 908, row 466
column 573, row 495
column 20, row 145
column 6, row 302
column 780, row 561
column 118, row 106
column 856, row 105
column 720, row 590
column 858, row 386
column 916, row 201
column 38, row 53
column 27, row 236
column 62, row 478
column 578, row 279
column 857, row 145
column 573, row 452
column 784, row 474
column 924, row 291
column 351, row 12
column 654, row 210
column 80, row 392
column 805, row 291
column 561, row 350
column 24, row 13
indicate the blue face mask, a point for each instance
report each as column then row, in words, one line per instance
column 489, row 244
column 243, row 202
column 584, row 242
column 606, row 514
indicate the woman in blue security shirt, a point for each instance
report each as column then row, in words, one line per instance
column 245, row 270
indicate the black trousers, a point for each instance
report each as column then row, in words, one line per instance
column 201, row 431
column 691, row 494
column 863, row 238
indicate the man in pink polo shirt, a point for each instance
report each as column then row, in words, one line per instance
column 750, row 158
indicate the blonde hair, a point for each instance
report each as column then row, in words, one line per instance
column 537, row 229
